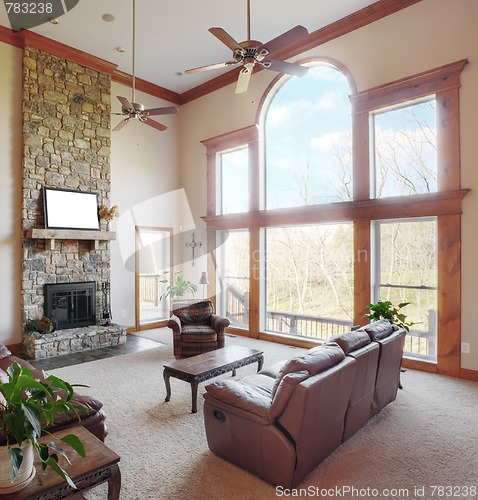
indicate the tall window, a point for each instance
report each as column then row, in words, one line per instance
column 308, row 140
column 362, row 202
column 232, row 275
column 405, row 152
column 405, row 270
column 309, row 279
column 233, row 179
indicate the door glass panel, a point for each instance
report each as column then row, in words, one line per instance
column 309, row 280
column 153, row 273
column 406, row 271
column 232, row 285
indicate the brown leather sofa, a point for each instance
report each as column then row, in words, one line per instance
column 94, row 421
column 281, row 423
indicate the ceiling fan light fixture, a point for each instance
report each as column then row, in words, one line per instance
column 250, row 52
column 132, row 110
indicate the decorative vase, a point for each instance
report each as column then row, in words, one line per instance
column 25, row 474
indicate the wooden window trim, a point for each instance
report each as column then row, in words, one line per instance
column 444, row 83
column 445, row 204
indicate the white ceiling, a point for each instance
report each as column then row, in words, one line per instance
column 173, row 36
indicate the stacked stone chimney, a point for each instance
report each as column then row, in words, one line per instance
column 66, row 144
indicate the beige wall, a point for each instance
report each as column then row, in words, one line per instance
column 427, row 35
column 144, row 173
column 10, row 193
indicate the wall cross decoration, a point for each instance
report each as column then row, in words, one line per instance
column 193, row 244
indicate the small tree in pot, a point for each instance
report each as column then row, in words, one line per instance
column 386, row 310
column 28, row 406
column 180, row 288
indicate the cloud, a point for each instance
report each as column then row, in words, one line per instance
column 329, row 142
column 278, row 114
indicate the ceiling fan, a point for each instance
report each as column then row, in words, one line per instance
column 134, row 110
column 251, row 52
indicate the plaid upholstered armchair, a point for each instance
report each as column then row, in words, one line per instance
column 196, row 329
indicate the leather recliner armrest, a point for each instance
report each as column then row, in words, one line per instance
column 233, row 393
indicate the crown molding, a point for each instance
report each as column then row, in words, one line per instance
column 147, row 87
column 352, row 22
column 25, row 38
column 10, row 37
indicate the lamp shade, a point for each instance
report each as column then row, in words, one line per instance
column 203, row 279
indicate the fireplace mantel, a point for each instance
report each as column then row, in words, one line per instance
column 51, row 235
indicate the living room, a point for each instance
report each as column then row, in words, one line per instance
column 160, row 179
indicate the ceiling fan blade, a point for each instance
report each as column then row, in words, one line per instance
column 285, row 67
column 154, row 124
column 121, row 124
column 287, row 38
column 125, row 103
column 160, row 111
column 226, row 39
column 210, row 66
column 243, row 80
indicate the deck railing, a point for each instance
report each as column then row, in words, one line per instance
column 419, row 344
column 150, row 288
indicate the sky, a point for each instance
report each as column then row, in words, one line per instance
column 308, row 146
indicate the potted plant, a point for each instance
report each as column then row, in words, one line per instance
column 27, row 406
column 180, row 288
column 386, row 310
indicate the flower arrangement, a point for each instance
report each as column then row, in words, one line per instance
column 106, row 213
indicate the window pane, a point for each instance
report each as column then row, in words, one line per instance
column 406, row 271
column 233, row 177
column 309, row 280
column 405, row 150
column 233, row 276
column 308, row 155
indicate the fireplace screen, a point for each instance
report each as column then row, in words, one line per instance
column 71, row 305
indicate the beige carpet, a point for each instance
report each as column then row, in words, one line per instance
column 426, row 438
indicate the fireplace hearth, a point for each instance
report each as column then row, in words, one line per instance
column 70, row 305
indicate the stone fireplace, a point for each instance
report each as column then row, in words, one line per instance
column 70, row 305
column 66, row 144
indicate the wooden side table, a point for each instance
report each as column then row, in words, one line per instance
column 99, row 466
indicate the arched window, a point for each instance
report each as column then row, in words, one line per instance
column 352, row 197
column 308, row 140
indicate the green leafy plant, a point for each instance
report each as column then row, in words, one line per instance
column 28, row 405
column 180, row 288
column 386, row 310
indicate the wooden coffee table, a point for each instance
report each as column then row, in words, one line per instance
column 202, row 367
column 99, row 466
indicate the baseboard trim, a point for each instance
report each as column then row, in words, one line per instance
column 467, row 374
column 414, row 364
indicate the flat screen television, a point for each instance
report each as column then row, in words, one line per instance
column 69, row 209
